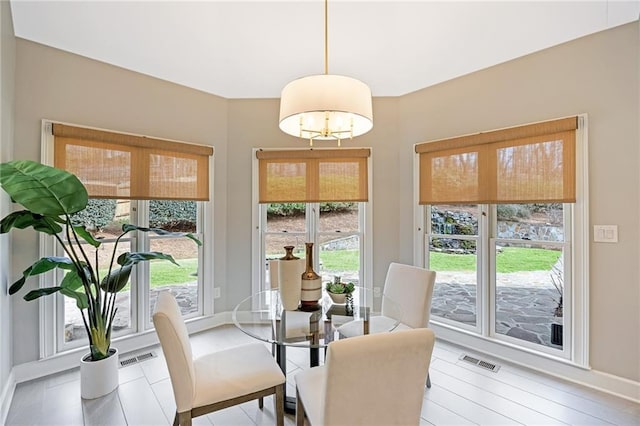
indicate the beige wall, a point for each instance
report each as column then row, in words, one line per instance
column 51, row 84
column 7, row 103
column 595, row 75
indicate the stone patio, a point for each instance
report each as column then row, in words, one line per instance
column 525, row 303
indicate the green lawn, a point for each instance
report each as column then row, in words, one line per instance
column 340, row 260
column 166, row 273
column 511, row 259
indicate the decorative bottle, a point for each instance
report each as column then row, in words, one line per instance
column 311, row 284
column 289, row 268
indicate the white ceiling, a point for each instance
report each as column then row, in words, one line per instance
column 252, row 49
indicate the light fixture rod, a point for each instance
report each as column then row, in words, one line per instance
column 326, row 37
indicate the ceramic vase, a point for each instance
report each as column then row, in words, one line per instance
column 98, row 378
column 289, row 284
column 311, row 284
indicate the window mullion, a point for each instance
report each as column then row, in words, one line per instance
column 485, row 305
column 312, row 219
column 140, row 280
column 569, row 297
column 205, row 287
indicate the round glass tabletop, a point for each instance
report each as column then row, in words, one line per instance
column 261, row 316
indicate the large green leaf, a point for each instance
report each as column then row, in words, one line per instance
column 43, row 189
column 136, row 257
column 86, row 235
column 40, row 266
column 34, row 294
column 117, row 280
column 24, row 219
column 71, row 280
column 82, row 301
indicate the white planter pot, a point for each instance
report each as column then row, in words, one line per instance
column 338, row 298
column 98, row 378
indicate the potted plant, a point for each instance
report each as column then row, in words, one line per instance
column 50, row 197
column 339, row 291
column 557, row 279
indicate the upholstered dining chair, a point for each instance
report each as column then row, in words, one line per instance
column 410, row 287
column 374, row 379
column 216, row 380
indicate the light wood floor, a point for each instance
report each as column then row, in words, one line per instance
column 462, row 394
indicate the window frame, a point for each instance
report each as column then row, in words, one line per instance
column 566, row 245
column 258, row 219
column 480, row 254
column 577, row 236
column 51, row 333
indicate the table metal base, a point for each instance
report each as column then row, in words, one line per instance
column 290, row 404
column 281, row 359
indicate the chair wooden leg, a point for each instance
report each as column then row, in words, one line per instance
column 279, row 401
column 428, row 381
column 184, row 419
column 299, row 410
column 260, row 403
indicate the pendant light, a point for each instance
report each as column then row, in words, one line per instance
column 326, row 106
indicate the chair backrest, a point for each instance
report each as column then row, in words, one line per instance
column 412, row 288
column 377, row 379
column 174, row 339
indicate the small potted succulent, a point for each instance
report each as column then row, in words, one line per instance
column 339, row 291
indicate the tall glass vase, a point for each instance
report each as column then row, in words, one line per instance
column 311, row 284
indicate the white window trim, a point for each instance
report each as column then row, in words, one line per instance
column 365, row 217
column 579, row 321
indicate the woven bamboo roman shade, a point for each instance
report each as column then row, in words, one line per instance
column 116, row 165
column 308, row 176
column 526, row 164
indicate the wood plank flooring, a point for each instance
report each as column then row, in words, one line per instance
column 462, row 394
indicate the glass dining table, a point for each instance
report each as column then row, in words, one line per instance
column 262, row 317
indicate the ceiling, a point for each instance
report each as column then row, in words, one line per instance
column 252, row 49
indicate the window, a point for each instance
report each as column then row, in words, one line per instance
column 147, row 182
column 503, row 233
column 318, row 196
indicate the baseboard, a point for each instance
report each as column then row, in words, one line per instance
column 6, row 397
column 563, row 369
column 71, row 359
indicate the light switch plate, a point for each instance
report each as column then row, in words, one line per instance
column 605, row 233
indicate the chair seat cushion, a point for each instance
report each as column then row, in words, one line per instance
column 310, row 385
column 234, row 372
column 377, row 324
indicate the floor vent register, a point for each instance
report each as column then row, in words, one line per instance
column 136, row 359
column 480, row 363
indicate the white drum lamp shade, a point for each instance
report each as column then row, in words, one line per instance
column 326, row 107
